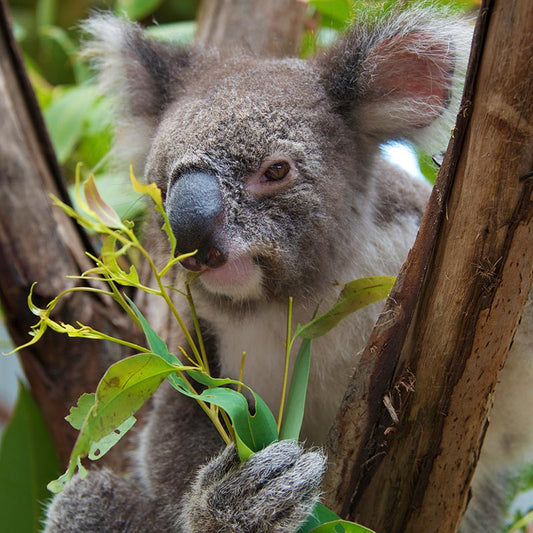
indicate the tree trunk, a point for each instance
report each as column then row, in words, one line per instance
column 270, row 29
column 435, row 354
column 39, row 243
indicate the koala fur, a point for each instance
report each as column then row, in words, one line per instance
column 335, row 210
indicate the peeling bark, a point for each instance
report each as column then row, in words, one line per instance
column 453, row 312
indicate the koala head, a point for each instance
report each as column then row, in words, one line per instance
column 267, row 166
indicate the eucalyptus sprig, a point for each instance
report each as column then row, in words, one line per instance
column 103, row 417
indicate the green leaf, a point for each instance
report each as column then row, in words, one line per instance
column 294, row 409
column 341, row 526
column 100, row 448
column 320, row 515
column 27, row 461
column 39, row 329
column 354, row 296
column 206, row 379
column 124, row 388
column 156, row 343
column 252, row 432
column 153, row 191
column 427, row 166
column 114, row 270
column 116, row 192
column 181, row 33
column 121, row 392
column 103, row 212
column 79, row 412
column 324, row 520
column 65, row 117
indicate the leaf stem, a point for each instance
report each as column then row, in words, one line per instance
column 204, row 362
column 288, row 345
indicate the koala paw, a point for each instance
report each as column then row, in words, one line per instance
column 273, row 491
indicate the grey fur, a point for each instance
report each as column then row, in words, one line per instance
column 274, row 490
column 340, row 213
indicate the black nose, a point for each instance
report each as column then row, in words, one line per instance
column 196, row 215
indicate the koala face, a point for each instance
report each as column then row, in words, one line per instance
column 255, row 175
column 268, row 167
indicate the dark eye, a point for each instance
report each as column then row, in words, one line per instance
column 277, row 171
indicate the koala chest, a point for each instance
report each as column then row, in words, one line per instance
column 263, row 335
column 262, row 338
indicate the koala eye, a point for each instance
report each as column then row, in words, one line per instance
column 273, row 177
column 277, row 171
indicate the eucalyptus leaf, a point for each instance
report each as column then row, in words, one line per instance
column 153, row 191
column 427, row 166
column 355, row 295
column 97, row 207
column 295, row 406
column 79, row 412
column 124, row 388
column 100, row 448
column 252, row 432
column 116, row 272
column 206, row 379
column 341, row 526
column 320, row 515
column 156, row 343
column 324, row 520
column 121, row 392
column 181, row 33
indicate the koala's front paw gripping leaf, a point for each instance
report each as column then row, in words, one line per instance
column 274, row 491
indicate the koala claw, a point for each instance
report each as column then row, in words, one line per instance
column 273, row 491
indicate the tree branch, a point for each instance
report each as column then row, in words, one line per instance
column 437, row 349
column 270, row 29
column 40, row 243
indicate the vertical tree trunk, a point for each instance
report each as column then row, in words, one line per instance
column 38, row 243
column 451, row 300
column 270, row 29
column 436, row 351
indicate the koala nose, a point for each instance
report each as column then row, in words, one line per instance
column 196, row 214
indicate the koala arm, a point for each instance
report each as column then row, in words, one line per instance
column 106, row 502
column 273, row 491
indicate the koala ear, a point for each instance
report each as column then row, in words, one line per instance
column 140, row 75
column 396, row 77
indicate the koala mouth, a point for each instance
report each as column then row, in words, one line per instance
column 239, row 278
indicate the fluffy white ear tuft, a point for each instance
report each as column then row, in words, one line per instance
column 140, row 75
column 397, row 77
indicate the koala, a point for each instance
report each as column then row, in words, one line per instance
column 272, row 170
